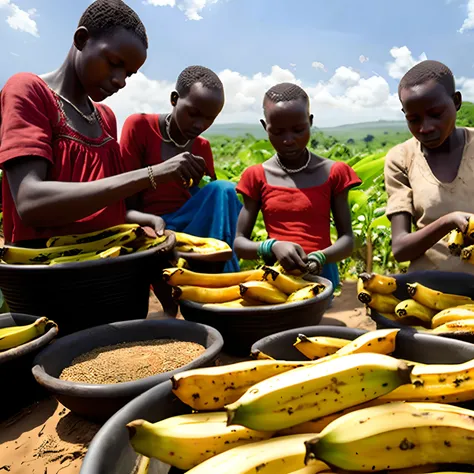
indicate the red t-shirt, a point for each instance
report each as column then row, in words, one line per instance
column 33, row 124
column 301, row 216
column 141, row 143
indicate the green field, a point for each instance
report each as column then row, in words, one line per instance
column 363, row 146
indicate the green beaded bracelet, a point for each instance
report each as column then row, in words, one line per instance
column 264, row 250
column 318, row 257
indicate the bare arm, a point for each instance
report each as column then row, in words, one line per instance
column 42, row 203
column 344, row 244
column 243, row 246
column 408, row 246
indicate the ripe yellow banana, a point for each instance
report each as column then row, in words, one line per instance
column 274, row 456
column 288, row 284
column 239, row 303
column 453, row 314
column 455, row 242
column 396, row 436
column 149, row 243
column 467, row 254
column 470, row 228
column 15, row 336
column 376, row 283
column 206, row 295
column 191, row 243
column 259, row 355
column 110, row 253
column 318, row 425
column 77, row 239
column 436, row 300
column 182, row 276
column 211, row 388
column 438, row 383
column 306, row 293
column 411, row 308
column 461, row 326
column 188, row 440
column 316, row 347
column 383, row 303
column 363, row 295
column 309, row 392
column 20, row 255
column 262, row 291
column 381, row 341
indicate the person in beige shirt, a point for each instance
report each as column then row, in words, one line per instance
column 430, row 178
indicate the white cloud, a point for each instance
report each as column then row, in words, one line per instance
column 363, row 59
column 19, row 19
column 469, row 21
column 318, row 65
column 191, row 8
column 404, row 61
column 14, row 54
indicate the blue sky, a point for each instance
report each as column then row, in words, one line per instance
column 348, row 54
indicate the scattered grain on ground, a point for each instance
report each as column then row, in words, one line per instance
column 130, row 361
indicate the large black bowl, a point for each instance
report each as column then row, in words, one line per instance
column 448, row 282
column 18, row 382
column 110, row 450
column 99, row 402
column 241, row 327
column 83, row 294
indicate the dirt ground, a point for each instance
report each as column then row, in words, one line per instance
column 47, row 438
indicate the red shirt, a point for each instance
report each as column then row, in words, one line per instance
column 33, row 124
column 141, row 143
column 301, row 216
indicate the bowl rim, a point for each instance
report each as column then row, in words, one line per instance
column 264, row 309
column 166, row 246
column 29, row 347
column 123, row 389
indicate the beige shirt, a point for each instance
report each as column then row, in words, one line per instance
column 412, row 187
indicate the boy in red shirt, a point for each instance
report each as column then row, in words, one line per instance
column 297, row 191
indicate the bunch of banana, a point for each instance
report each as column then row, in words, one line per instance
column 16, row 336
column 188, row 440
column 450, row 315
column 309, row 392
column 203, row 245
column 396, row 436
column 182, row 276
column 455, row 242
column 283, row 455
column 376, row 291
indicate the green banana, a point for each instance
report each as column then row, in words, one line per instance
column 309, row 392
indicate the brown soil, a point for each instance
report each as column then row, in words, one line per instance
column 47, row 439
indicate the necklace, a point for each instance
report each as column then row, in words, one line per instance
column 90, row 119
column 297, row 170
column 168, row 132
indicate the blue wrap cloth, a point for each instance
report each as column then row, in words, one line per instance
column 212, row 211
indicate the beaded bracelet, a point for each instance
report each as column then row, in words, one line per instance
column 264, row 250
column 318, row 257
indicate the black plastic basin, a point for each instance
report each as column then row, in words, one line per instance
column 241, row 327
column 448, row 282
column 110, row 450
column 20, row 387
column 99, row 402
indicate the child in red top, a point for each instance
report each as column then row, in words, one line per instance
column 59, row 150
column 150, row 139
column 296, row 191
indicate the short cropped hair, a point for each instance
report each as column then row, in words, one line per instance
column 285, row 92
column 103, row 16
column 429, row 71
column 197, row 74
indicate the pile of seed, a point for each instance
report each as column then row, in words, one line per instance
column 130, row 361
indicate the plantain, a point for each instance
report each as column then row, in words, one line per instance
column 262, row 291
column 411, row 308
column 206, row 295
column 450, row 315
column 239, row 303
column 470, row 228
column 16, row 336
column 316, row 347
column 110, row 253
column 191, row 243
column 150, row 243
column 288, row 284
column 467, row 254
column 455, row 242
column 363, row 295
column 27, row 256
column 259, row 355
column 182, row 276
column 383, row 303
column 306, row 293
column 77, row 239
column 373, row 282
column 436, row 300
column 453, row 327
